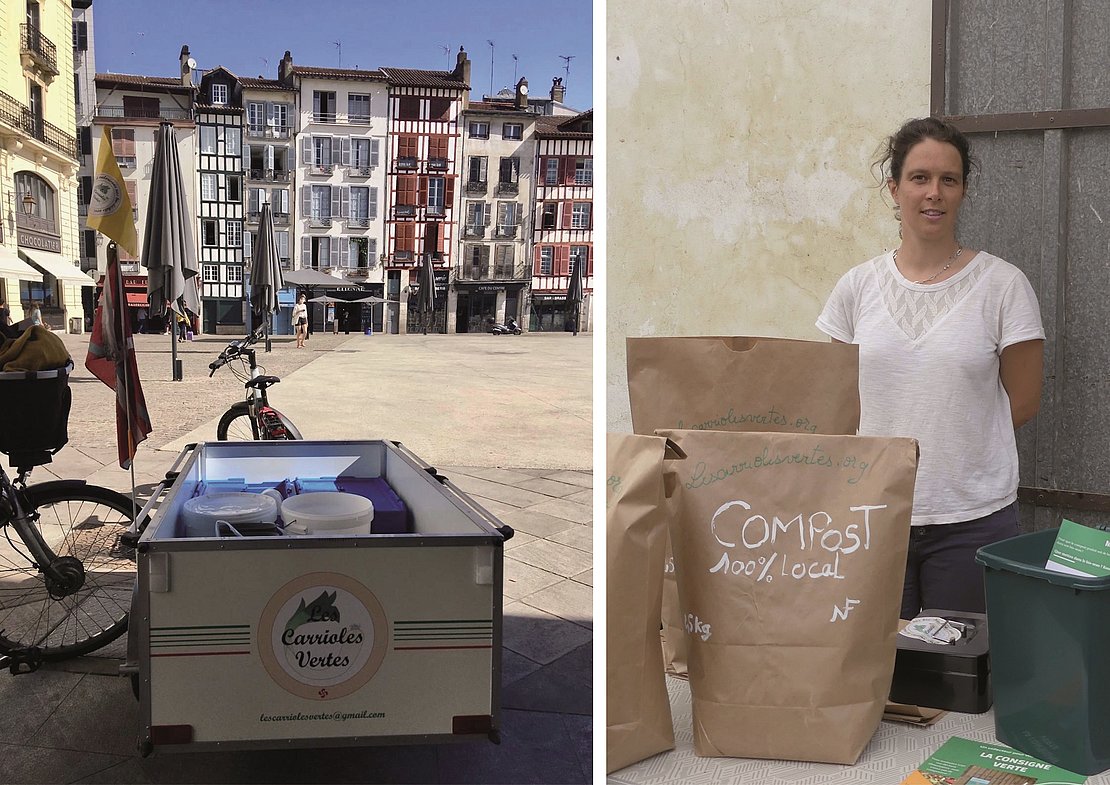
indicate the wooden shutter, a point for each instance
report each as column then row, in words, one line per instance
column 449, row 192
column 247, row 243
column 568, row 211
column 437, row 146
column 406, row 236
column 374, row 152
column 372, row 202
column 86, row 190
column 344, row 201
column 345, row 151
column 335, row 211
column 487, row 210
column 246, row 156
column 123, row 141
column 562, row 260
column 407, row 146
column 536, row 257
column 306, row 201
column 406, row 189
column 422, row 194
column 306, row 251
column 344, row 252
column 306, row 149
column 132, row 193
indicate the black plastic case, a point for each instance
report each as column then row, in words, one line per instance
column 954, row 677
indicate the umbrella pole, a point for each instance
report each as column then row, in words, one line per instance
column 171, row 316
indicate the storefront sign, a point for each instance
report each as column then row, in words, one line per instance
column 43, row 242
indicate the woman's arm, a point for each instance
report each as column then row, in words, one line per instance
column 1021, row 368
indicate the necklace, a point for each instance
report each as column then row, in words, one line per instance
column 959, row 250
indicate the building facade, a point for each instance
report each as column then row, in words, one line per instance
column 38, row 165
column 562, row 220
column 493, row 272
column 423, row 176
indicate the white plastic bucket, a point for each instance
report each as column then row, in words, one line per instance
column 328, row 513
column 200, row 514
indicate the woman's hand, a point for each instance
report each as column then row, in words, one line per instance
column 1021, row 367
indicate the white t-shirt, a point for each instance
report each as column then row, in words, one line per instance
column 929, row 357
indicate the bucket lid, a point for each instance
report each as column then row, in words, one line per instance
column 328, row 510
column 231, row 507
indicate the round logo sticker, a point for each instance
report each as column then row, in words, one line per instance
column 323, row 636
column 105, row 197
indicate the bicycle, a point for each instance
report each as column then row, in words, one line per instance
column 252, row 419
column 67, row 591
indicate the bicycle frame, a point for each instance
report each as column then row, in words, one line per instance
column 15, row 510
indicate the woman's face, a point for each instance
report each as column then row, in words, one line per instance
column 930, row 190
column 300, row 299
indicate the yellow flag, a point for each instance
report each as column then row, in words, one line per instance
column 109, row 204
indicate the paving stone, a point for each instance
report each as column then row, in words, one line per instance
column 561, row 508
column 535, row 523
column 501, row 476
column 566, row 599
column 35, row 764
column 551, row 488
column 28, row 700
column 515, row 667
column 582, row 497
column 554, row 557
column 494, row 507
column 580, row 537
column 564, row 686
column 583, row 479
column 498, row 492
column 586, row 577
column 523, row 579
column 99, row 715
column 518, row 539
column 540, row 636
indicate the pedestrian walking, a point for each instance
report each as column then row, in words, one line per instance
column 300, row 320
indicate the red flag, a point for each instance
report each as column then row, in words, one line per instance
column 111, row 359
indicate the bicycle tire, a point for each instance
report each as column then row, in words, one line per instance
column 237, row 425
column 82, row 521
column 291, row 432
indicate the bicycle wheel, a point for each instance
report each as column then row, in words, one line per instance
column 237, row 425
column 79, row 521
column 291, row 432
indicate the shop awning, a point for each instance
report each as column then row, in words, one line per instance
column 12, row 267
column 58, row 266
column 136, row 298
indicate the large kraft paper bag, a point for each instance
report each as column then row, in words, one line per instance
column 790, row 552
column 638, row 710
column 737, row 383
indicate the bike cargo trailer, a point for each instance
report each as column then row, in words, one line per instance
column 253, row 642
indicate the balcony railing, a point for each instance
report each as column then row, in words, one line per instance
column 323, row 117
column 322, row 169
column 406, row 162
column 504, row 188
column 269, row 175
column 41, row 48
column 286, row 263
column 468, row 271
column 19, row 117
column 505, row 232
column 281, row 219
column 34, row 223
column 476, row 186
column 360, row 170
column 143, row 113
column 435, row 209
column 268, row 131
column 437, row 164
column 358, row 223
column 474, row 230
column 319, row 220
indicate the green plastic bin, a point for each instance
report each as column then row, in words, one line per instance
column 1050, row 655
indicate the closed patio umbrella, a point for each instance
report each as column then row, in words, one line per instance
column 426, row 297
column 574, row 293
column 266, row 278
column 169, row 253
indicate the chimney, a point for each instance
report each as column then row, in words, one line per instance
column 557, row 89
column 521, row 101
column 186, row 67
column 462, row 73
column 285, row 69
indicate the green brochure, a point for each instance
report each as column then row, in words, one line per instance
column 979, row 763
column 1080, row 550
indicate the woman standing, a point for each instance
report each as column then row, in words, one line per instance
column 36, row 313
column 300, row 320
column 951, row 351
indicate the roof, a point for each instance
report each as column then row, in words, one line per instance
column 251, row 83
column 565, row 127
column 411, row 77
column 504, row 105
column 312, row 72
column 140, row 82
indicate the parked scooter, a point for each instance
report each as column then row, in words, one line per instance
column 510, row 326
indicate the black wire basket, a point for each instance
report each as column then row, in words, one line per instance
column 34, row 414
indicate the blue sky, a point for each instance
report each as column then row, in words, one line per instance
column 249, row 37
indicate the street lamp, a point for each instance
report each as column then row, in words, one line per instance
column 28, row 203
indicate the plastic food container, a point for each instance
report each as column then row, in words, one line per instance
column 333, row 513
column 200, row 514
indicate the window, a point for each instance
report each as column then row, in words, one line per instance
column 580, row 216
column 234, row 234
column 580, row 254
column 219, row 94
column 208, row 231
column 477, row 216
column 513, row 131
column 255, row 197
column 233, row 142
column 321, row 203
column 281, row 116
column 208, row 138
column 547, row 259
column 510, row 170
column 321, row 252
column 359, row 253
column 321, row 152
column 478, row 164
column 508, row 217
column 439, row 109
column 256, row 117
column 478, row 130
column 208, row 187
column 547, row 215
column 408, row 108
column 140, row 106
column 210, row 273
column 123, row 146
column 551, row 175
column 436, row 191
column 81, row 36
column 360, row 205
column 323, row 106
column 234, row 274
column 363, row 153
column 234, row 188
column 279, row 201
column 503, row 261
column 584, row 171
column 282, row 244
column 43, row 194
column 358, row 107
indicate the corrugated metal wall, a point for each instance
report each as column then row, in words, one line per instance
column 1030, row 81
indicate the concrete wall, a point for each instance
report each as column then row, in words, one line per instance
column 739, row 148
